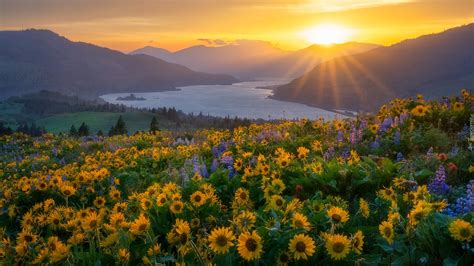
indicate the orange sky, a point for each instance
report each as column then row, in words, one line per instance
column 174, row 24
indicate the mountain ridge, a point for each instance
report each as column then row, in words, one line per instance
column 33, row 60
column 253, row 59
column 426, row 64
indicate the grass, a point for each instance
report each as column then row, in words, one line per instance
column 9, row 112
column 135, row 121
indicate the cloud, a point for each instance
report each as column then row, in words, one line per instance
column 214, row 42
column 341, row 5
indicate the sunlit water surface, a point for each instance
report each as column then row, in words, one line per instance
column 239, row 99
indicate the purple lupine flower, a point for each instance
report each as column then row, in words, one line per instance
column 396, row 121
column 396, row 137
column 345, row 153
column 353, row 138
column 231, row 171
column 463, row 204
column 386, row 124
column 204, row 172
column 227, row 160
column 400, row 157
column 454, row 151
column 430, row 153
column 403, row 117
column 360, row 133
column 196, row 164
column 329, row 154
column 340, row 136
column 376, row 144
column 460, row 207
column 438, row 184
column 470, row 195
column 214, row 165
column 464, row 133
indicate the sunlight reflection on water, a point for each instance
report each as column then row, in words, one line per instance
column 239, row 99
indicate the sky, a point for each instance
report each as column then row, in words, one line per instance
column 126, row 25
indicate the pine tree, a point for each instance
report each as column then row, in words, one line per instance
column 154, row 125
column 83, row 130
column 100, row 133
column 120, row 127
column 5, row 130
column 112, row 131
column 73, row 131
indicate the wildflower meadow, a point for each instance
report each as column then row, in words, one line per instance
column 396, row 187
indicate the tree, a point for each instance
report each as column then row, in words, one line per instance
column 5, row 130
column 73, row 131
column 100, row 133
column 83, row 130
column 112, row 131
column 154, row 124
column 120, row 127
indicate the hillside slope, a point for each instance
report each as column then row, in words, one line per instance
column 433, row 64
column 34, row 60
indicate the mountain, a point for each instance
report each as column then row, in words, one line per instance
column 436, row 64
column 249, row 59
column 34, row 60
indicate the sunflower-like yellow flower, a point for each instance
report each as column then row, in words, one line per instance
column 140, row 225
column 145, row 203
column 198, row 198
column 26, row 236
column 338, row 246
column 67, row 190
column 91, row 222
column 99, row 202
column 117, row 220
column 302, row 152
column 357, row 242
column 276, row 202
column 249, row 245
column 154, row 250
column 302, row 247
column 242, row 196
column 316, row 168
column 161, row 199
column 419, row 110
column 386, row 230
column 364, row 208
column 57, row 249
column 374, row 128
column 387, row 194
column 245, row 220
column 461, row 230
column 238, row 164
column 177, row 207
column 419, row 212
column 337, row 215
column 221, row 240
column 316, row 145
column 123, row 255
column 283, row 160
column 300, row 221
column 457, row 106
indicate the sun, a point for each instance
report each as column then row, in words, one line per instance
column 327, row 34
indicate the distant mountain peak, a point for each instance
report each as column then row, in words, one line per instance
column 435, row 64
column 34, row 60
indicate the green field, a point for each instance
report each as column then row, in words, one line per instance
column 135, row 121
column 9, row 112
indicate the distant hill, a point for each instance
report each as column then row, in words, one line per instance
column 248, row 59
column 436, row 64
column 34, row 60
